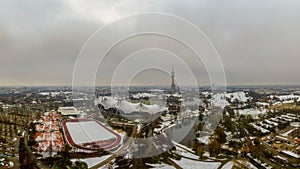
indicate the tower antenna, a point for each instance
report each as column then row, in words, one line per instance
column 173, row 87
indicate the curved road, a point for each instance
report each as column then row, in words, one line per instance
column 118, row 152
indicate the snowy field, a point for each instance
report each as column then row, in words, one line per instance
column 186, row 163
column 88, row 131
column 219, row 99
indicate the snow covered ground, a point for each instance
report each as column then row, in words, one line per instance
column 219, row 99
column 241, row 96
column 185, row 153
column 162, row 166
column 191, row 164
column 88, row 131
column 228, row 165
column 251, row 111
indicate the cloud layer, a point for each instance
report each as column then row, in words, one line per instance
column 258, row 41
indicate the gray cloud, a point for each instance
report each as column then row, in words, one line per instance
column 257, row 40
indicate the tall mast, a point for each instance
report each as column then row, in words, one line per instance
column 173, row 88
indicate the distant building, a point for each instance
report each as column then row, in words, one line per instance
column 69, row 112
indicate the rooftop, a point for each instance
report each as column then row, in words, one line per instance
column 67, row 111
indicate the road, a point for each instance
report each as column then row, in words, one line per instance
column 32, row 158
column 120, row 151
column 172, row 163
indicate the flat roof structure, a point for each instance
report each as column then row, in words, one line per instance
column 68, row 111
column 47, row 135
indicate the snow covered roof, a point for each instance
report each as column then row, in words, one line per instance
column 263, row 130
column 128, row 107
column 252, row 111
column 48, row 135
column 67, row 111
column 288, row 97
column 107, row 102
column 44, row 93
column 290, row 153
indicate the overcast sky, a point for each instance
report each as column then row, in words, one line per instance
column 258, row 40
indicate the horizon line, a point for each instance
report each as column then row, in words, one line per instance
column 201, row 85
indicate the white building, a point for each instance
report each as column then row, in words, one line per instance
column 69, row 111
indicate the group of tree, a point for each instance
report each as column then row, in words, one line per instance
column 68, row 164
column 214, row 148
column 215, row 144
